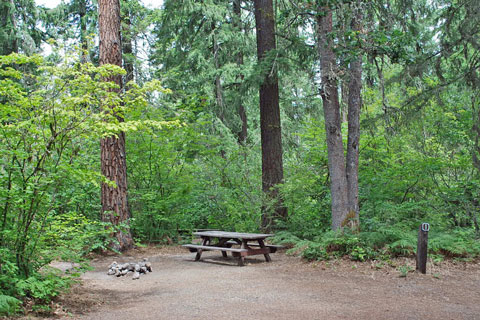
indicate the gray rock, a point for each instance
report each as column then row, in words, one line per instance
column 148, row 265
column 124, row 268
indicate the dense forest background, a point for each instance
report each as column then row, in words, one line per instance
column 190, row 110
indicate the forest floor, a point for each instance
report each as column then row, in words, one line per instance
column 286, row 288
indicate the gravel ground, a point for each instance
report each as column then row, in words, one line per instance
column 286, row 288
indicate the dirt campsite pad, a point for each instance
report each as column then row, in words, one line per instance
column 286, row 288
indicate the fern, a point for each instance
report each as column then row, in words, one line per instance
column 458, row 244
column 9, row 305
column 285, row 238
column 402, row 247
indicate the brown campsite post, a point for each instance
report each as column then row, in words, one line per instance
column 422, row 246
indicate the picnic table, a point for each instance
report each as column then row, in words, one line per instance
column 247, row 244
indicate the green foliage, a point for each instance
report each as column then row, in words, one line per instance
column 9, row 305
column 328, row 245
column 51, row 118
column 404, row 270
column 315, row 251
column 186, row 169
column 42, row 287
column 458, row 242
column 383, row 244
column 17, row 27
column 72, row 235
column 179, row 182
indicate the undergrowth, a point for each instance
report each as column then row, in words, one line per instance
column 383, row 244
column 9, row 305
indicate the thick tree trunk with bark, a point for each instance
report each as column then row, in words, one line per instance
column 343, row 174
column 113, row 158
column 237, row 22
column 271, row 133
column 354, row 105
column 331, row 108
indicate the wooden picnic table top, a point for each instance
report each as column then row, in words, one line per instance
column 233, row 235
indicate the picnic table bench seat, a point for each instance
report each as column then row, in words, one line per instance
column 195, row 247
column 273, row 247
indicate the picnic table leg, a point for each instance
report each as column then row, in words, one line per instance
column 262, row 245
column 206, row 241
column 241, row 259
column 221, row 243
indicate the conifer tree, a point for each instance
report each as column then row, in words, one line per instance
column 270, row 126
column 113, row 158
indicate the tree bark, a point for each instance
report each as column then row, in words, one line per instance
column 343, row 174
column 113, row 158
column 237, row 23
column 331, row 109
column 354, row 105
column 270, row 128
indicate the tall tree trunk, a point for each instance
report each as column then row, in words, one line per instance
column 113, row 158
column 331, row 109
column 270, row 128
column 354, row 105
column 237, row 23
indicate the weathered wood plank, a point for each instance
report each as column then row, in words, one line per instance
column 273, row 247
column 251, row 252
column 233, row 235
column 209, row 248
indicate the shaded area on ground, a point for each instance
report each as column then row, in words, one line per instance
column 287, row 288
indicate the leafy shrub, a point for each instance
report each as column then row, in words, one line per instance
column 71, row 236
column 360, row 253
column 9, row 305
column 315, row 251
column 403, row 247
column 43, row 287
column 286, row 238
column 456, row 243
column 51, row 122
column 394, row 241
column 331, row 244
